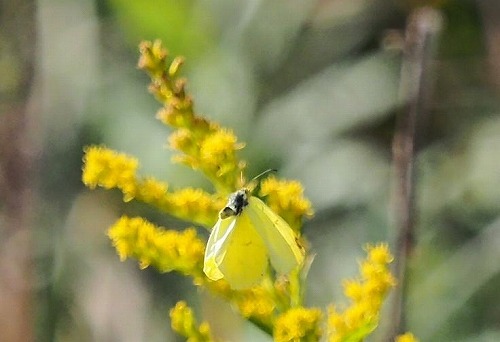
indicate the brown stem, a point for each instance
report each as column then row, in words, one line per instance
column 17, row 41
column 422, row 25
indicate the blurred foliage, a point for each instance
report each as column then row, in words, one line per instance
column 312, row 88
column 184, row 26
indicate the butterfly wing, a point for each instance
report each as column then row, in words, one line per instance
column 235, row 252
column 280, row 240
column 216, row 248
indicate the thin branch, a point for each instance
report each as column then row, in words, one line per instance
column 423, row 25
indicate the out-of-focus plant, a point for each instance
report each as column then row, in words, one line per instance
column 276, row 305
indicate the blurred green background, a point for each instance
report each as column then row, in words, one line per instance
column 312, row 87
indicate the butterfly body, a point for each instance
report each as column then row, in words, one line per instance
column 235, row 205
column 247, row 235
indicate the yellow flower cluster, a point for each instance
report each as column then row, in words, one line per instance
column 286, row 198
column 194, row 205
column 109, row 169
column 184, row 323
column 260, row 304
column 167, row 250
column 408, row 337
column 205, row 146
column 298, row 324
column 256, row 303
column 367, row 294
column 214, row 155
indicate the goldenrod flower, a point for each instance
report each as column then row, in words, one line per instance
column 214, row 155
column 256, row 303
column 366, row 293
column 194, row 205
column 167, row 250
column 109, row 169
column 298, row 324
column 379, row 254
column 152, row 191
column 184, row 323
column 407, row 337
column 189, row 204
column 183, row 140
column 205, row 146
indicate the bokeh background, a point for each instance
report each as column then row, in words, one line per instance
column 312, row 87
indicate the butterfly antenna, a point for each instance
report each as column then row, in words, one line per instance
column 252, row 185
column 262, row 174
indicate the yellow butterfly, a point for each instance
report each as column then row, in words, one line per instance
column 248, row 234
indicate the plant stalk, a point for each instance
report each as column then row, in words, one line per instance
column 422, row 27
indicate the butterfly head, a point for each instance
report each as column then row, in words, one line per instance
column 239, row 199
column 235, row 204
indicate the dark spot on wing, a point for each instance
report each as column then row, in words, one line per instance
column 297, row 241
